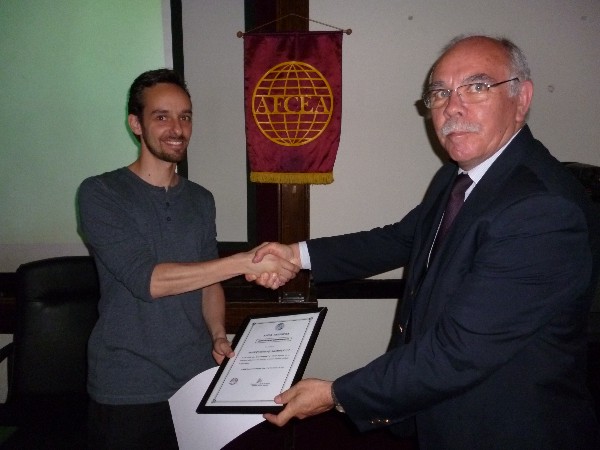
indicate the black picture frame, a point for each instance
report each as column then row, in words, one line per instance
column 210, row 405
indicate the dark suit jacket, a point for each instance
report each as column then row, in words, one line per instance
column 496, row 353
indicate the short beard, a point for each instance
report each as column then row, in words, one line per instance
column 158, row 153
column 454, row 125
column 167, row 157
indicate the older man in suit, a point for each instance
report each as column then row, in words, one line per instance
column 492, row 348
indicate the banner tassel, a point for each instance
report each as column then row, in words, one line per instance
column 292, row 177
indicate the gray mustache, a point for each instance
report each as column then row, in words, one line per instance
column 454, row 127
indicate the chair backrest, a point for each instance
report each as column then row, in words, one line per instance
column 56, row 309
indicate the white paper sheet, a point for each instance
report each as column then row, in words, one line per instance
column 205, row 431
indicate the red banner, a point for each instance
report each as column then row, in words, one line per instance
column 293, row 104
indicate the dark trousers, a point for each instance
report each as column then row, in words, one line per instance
column 130, row 427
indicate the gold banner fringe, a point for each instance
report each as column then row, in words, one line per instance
column 292, row 177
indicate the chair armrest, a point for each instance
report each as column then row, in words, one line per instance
column 6, row 351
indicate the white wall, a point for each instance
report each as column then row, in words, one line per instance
column 385, row 160
column 214, row 72
column 355, row 332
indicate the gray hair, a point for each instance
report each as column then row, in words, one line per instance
column 518, row 65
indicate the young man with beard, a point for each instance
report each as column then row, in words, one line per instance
column 491, row 344
column 152, row 234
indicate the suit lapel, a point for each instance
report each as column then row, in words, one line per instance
column 433, row 207
column 481, row 198
column 486, row 191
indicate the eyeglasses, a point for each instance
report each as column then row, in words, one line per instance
column 468, row 93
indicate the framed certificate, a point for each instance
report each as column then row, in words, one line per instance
column 271, row 353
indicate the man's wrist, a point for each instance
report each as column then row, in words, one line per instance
column 338, row 406
column 304, row 255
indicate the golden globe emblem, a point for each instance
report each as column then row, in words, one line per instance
column 292, row 104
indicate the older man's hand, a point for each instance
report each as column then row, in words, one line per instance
column 307, row 398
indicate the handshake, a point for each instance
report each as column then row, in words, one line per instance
column 272, row 264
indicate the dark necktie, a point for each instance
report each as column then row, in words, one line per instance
column 455, row 202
